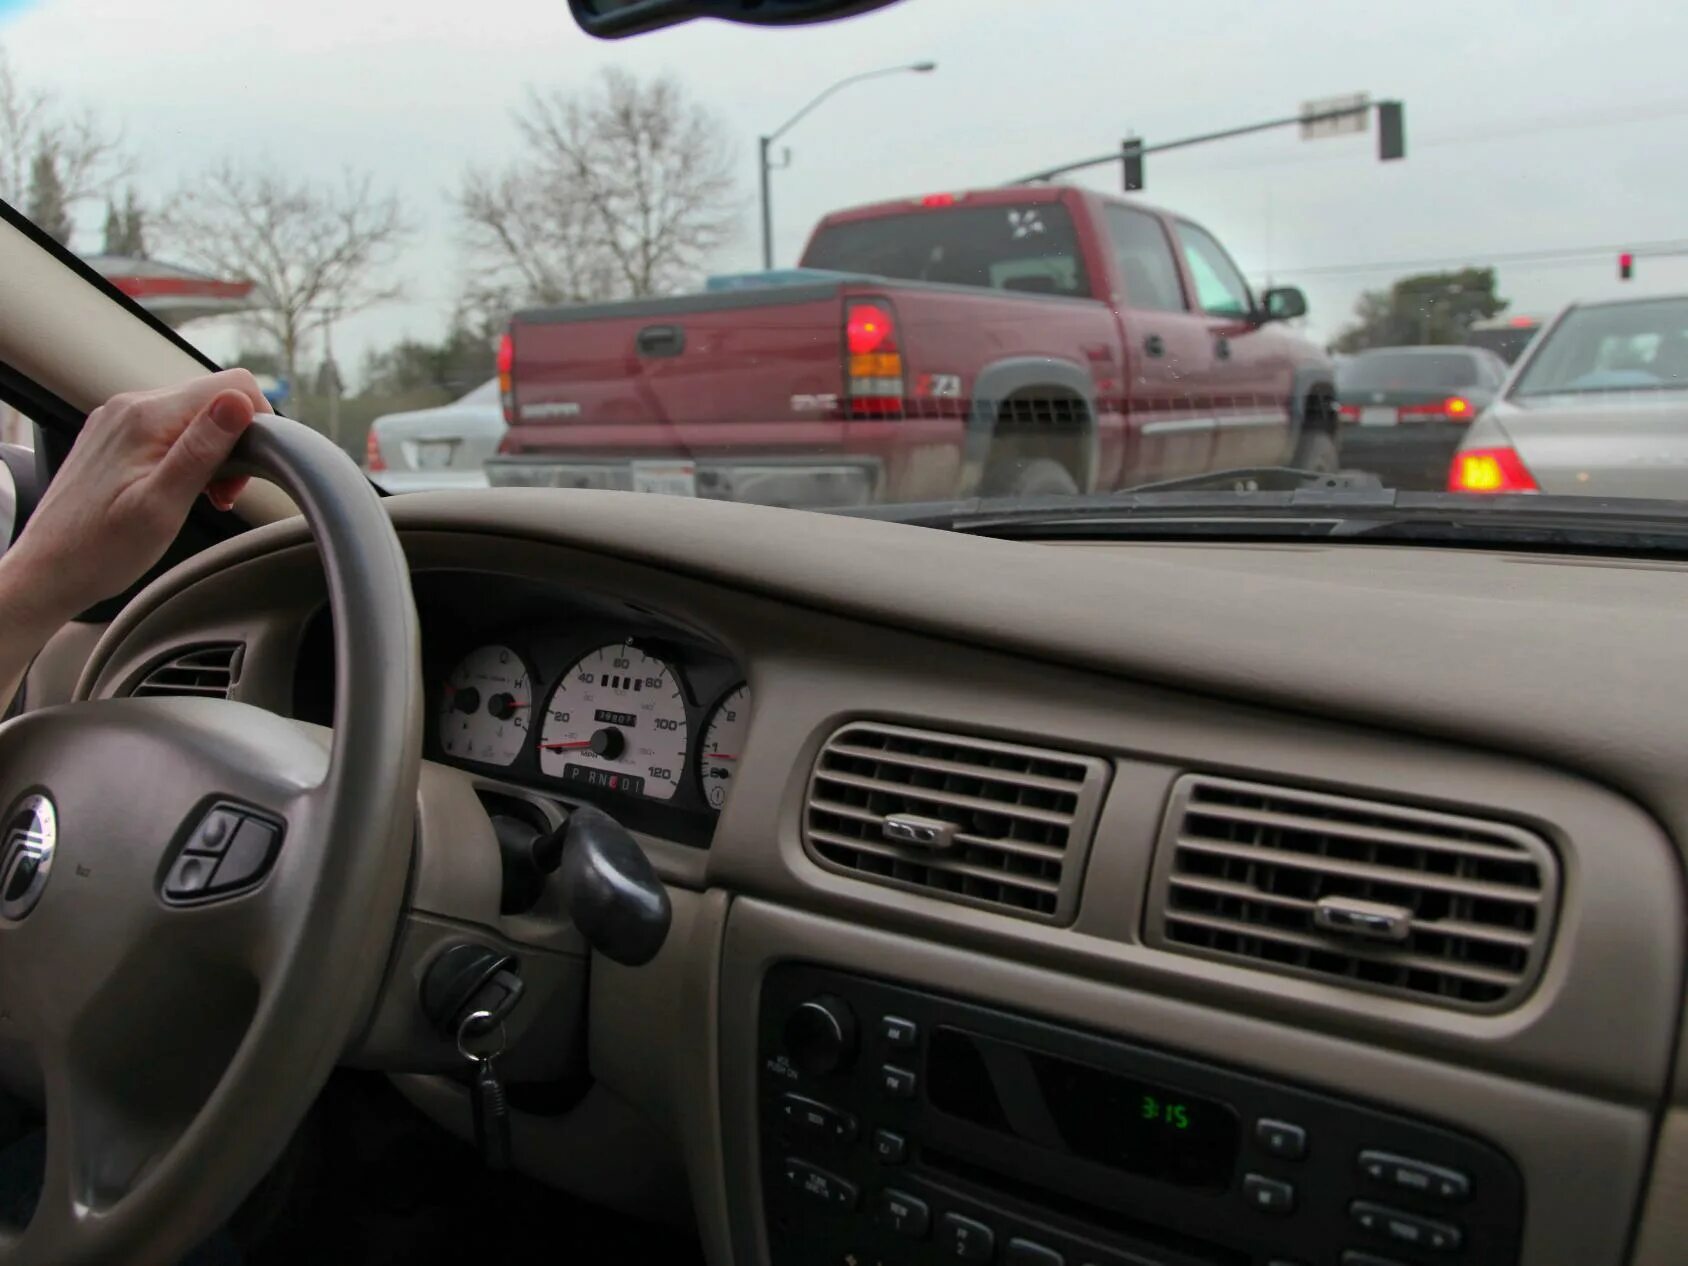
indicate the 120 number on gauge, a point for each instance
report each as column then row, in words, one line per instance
column 617, row 721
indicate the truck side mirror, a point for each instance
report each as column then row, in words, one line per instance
column 1282, row 303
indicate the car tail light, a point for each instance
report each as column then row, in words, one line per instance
column 938, row 200
column 873, row 358
column 1453, row 409
column 506, row 387
column 1490, row 470
column 1348, row 412
column 372, row 459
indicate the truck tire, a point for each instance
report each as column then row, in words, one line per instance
column 1031, row 477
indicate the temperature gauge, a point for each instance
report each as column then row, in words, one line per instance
column 485, row 706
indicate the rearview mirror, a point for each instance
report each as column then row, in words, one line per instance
column 613, row 19
column 1282, row 303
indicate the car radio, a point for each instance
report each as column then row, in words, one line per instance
column 899, row 1127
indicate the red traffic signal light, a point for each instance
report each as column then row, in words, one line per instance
column 1626, row 266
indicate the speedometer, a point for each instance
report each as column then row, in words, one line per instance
column 484, row 707
column 617, row 721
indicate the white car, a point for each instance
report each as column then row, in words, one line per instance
column 445, row 447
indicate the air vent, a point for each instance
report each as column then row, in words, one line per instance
column 988, row 824
column 1446, row 909
column 205, row 671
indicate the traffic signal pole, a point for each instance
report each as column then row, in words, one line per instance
column 1391, row 142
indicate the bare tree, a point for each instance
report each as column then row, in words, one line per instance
column 623, row 190
column 87, row 158
column 316, row 252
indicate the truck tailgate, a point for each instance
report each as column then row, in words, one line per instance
column 740, row 356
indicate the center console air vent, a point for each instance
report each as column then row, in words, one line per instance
column 988, row 824
column 1446, row 909
column 204, row 672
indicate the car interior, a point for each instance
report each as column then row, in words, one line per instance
column 1208, row 903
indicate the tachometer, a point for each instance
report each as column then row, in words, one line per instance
column 617, row 721
column 485, row 707
column 723, row 740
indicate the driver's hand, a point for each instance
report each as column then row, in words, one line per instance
column 122, row 494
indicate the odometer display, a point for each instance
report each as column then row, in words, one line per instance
column 617, row 722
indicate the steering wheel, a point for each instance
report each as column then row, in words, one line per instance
column 198, row 900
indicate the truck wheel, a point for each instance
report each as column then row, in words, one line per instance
column 1036, row 477
column 1317, row 451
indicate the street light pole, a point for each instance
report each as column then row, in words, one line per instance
column 765, row 145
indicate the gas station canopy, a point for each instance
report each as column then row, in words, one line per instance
column 174, row 294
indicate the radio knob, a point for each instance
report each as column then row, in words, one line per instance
column 820, row 1036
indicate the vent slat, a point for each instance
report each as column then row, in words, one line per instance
column 1041, row 852
column 1420, row 962
column 207, row 672
column 970, row 769
column 934, row 862
column 1243, row 892
column 1245, row 871
column 1014, row 821
column 1320, row 864
column 950, row 799
column 1356, row 831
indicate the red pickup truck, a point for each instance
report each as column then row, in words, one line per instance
column 1014, row 341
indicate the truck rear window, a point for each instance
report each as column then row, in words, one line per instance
column 1030, row 248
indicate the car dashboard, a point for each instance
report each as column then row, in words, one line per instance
column 1203, row 905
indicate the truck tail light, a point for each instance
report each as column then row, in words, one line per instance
column 873, row 359
column 1453, row 409
column 506, row 388
column 1490, row 470
column 372, row 459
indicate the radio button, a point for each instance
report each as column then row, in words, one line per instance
column 905, row 1214
column 1281, row 1139
column 817, row 1119
column 1030, row 1253
column 900, row 1034
column 889, row 1147
column 818, row 1185
column 965, row 1240
column 1414, row 1175
column 1269, row 1195
column 1406, row 1228
column 898, row 1083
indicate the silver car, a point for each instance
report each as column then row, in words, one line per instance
column 1598, row 406
column 446, row 447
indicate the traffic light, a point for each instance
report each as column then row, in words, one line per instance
column 1626, row 266
column 1391, row 131
column 1131, row 159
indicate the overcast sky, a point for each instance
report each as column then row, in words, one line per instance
column 1531, row 126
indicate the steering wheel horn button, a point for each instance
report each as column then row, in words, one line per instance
column 28, row 839
column 228, row 849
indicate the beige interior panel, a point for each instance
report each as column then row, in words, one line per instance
column 53, row 675
column 1663, row 1240
column 1581, row 1197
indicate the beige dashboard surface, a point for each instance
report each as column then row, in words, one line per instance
column 1545, row 689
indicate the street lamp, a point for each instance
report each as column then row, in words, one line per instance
column 766, row 144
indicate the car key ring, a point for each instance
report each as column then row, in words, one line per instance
column 473, row 1027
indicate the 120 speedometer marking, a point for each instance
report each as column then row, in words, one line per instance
column 617, row 721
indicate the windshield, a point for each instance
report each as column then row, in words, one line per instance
column 938, row 253
column 1634, row 347
column 1382, row 371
